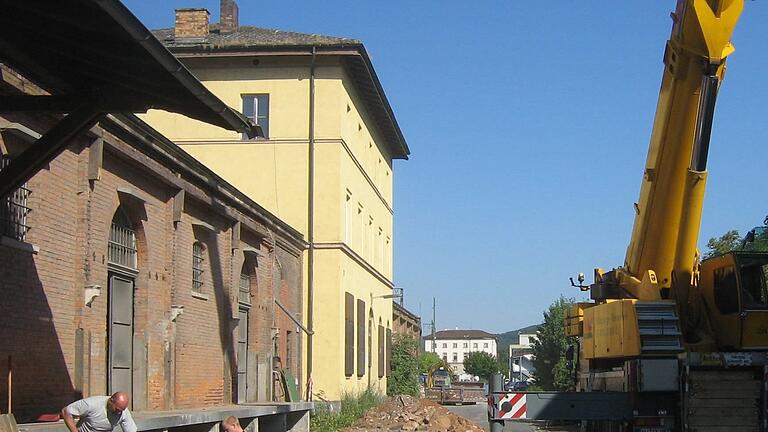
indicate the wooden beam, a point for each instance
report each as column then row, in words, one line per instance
column 95, row 158
column 47, row 148
column 178, row 205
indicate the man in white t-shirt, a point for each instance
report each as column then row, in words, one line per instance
column 99, row 414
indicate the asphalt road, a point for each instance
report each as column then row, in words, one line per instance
column 478, row 414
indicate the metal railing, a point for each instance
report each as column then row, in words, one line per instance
column 14, row 209
column 122, row 246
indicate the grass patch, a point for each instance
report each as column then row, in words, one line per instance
column 323, row 419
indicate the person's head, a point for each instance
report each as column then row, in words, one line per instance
column 231, row 424
column 118, row 402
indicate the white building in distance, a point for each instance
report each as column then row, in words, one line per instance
column 521, row 354
column 454, row 345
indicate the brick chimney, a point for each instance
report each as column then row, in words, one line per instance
column 228, row 16
column 191, row 24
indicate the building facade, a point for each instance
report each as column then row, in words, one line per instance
column 454, row 345
column 405, row 322
column 128, row 265
column 325, row 166
column 521, row 356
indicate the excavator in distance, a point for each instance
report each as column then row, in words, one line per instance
column 670, row 342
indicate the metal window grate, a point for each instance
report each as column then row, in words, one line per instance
column 245, row 288
column 197, row 267
column 14, row 209
column 122, row 241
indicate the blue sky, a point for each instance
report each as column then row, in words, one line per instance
column 528, row 124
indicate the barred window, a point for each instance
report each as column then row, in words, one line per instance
column 245, row 288
column 14, row 209
column 197, row 266
column 122, row 241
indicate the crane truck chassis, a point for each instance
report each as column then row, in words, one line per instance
column 669, row 342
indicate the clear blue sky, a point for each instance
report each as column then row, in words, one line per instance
column 528, row 124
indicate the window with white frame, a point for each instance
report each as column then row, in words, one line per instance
column 256, row 108
column 198, row 261
column 14, row 209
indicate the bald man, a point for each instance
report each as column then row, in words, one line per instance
column 99, row 414
column 231, row 424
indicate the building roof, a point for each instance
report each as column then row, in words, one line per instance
column 397, row 308
column 461, row 334
column 92, row 58
column 249, row 40
column 250, row 36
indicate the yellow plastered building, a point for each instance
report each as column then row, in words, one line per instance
column 327, row 123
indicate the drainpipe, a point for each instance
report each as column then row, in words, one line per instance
column 311, row 223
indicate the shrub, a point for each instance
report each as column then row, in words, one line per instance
column 352, row 408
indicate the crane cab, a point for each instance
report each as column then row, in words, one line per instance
column 735, row 289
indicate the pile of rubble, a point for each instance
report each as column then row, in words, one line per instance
column 406, row 413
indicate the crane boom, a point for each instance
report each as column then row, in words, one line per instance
column 661, row 255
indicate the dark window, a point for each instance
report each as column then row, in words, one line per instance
column 726, row 298
column 349, row 334
column 14, row 209
column 256, row 108
column 754, row 291
column 122, row 241
column 245, row 289
column 360, row 338
column 197, row 266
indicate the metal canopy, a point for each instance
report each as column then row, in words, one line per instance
column 93, row 57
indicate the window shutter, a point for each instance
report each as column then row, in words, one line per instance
column 389, row 353
column 349, row 334
column 381, row 351
column 360, row 338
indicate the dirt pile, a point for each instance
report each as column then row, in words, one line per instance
column 406, row 413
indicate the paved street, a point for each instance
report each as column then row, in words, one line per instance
column 478, row 415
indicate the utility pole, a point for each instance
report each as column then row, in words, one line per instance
column 434, row 341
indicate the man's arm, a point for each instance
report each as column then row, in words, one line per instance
column 127, row 422
column 68, row 419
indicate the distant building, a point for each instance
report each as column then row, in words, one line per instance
column 521, row 354
column 405, row 322
column 454, row 345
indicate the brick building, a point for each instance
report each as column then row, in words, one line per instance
column 128, row 265
column 405, row 322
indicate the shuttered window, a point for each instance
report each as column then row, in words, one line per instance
column 381, row 351
column 389, row 353
column 360, row 338
column 349, row 334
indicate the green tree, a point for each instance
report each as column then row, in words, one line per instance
column 481, row 364
column 404, row 378
column 428, row 361
column 549, row 349
column 729, row 241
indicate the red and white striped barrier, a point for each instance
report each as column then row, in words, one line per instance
column 512, row 406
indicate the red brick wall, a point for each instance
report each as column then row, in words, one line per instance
column 42, row 295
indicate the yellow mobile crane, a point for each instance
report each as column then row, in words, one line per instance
column 687, row 340
column 668, row 342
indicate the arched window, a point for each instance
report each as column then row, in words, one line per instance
column 197, row 266
column 122, row 241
